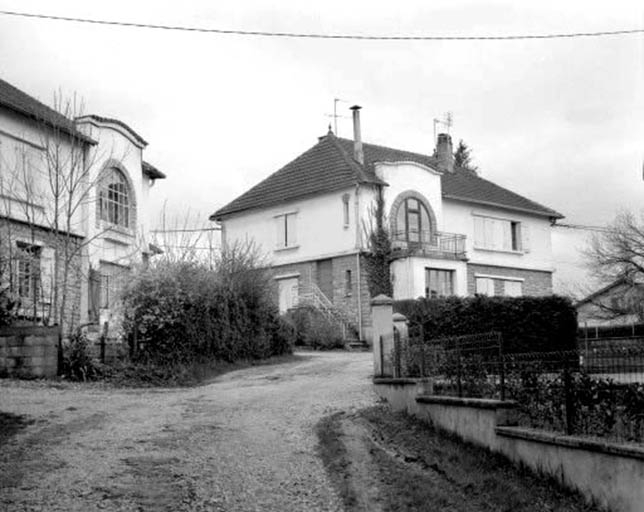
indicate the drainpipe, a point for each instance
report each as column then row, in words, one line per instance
column 359, row 248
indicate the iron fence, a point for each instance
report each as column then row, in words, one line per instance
column 597, row 389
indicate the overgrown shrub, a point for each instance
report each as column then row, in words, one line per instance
column 314, row 330
column 527, row 324
column 177, row 312
column 78, row 363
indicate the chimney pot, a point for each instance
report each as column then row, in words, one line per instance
column 358, row 153
column 445, row 152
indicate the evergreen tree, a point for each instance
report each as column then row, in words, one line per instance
column 463, row 157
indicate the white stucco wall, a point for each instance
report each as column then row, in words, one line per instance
column 320, row 228
column 459, row 218
column 409, row 276
column 405, row 176
column 116, row 145
column 27, row 196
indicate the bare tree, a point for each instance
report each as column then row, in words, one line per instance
column 51, row 186
column 616, row 255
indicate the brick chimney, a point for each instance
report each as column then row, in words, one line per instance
column 444, row 152
column 358, row 153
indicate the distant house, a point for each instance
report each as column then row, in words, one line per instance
column 453, row 232
column 615, row 304
column 73, row 199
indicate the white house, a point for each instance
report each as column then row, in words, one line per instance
column 453, row 232
column 73, row 198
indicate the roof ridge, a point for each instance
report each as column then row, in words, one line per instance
column 355, row 166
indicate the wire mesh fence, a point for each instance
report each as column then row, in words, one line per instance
column 597, row 389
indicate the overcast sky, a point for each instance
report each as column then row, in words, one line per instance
column 559, row 121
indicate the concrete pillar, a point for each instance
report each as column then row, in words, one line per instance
column 383, row 328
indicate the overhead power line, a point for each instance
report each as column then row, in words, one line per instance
column 313, row 35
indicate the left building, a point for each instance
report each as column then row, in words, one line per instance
column 74, row 200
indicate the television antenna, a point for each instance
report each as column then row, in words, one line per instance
column 335, row 114
column 447, row 122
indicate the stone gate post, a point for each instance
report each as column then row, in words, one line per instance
column 383, row 329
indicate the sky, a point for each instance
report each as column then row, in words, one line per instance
column 559, row 121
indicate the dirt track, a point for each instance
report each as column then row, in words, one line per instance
column 244, row 442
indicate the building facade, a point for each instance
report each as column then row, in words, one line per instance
column 452, row 232
column 73, row 209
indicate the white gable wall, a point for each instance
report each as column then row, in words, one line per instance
column 320, row 230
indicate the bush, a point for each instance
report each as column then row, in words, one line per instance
column 78, row 363
column 528, row 324
column 178, row 312
column 314, row 330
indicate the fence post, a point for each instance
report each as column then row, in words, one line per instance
column 502, row 366
column 421, row 340
column 397, row 368
column 103, row 340
column 570, row 413
column 382, row 332
column 458, row 370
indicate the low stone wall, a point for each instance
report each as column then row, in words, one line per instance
column 401, row 393
column 610, row 474
column 29, row 351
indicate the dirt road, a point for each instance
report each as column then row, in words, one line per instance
column 244, row 442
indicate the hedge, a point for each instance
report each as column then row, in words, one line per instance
column 528, row 324
column 180, row 312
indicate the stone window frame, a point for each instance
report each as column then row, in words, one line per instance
column 133, row 203
column 399, row 202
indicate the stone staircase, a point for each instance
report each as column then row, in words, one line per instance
column 312, row 296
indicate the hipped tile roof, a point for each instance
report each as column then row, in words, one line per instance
column 329, row 166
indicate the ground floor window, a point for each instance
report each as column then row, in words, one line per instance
column 112, row 280
column 28, row 271
column 491, row 286
column 438, row 283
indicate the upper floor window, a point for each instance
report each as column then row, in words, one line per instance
column 114, row 198
column 413, row 221
column 499, row 234
column 345, row 209
column 286, row 230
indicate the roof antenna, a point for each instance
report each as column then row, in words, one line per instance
column 447, row 121
column 335, row 114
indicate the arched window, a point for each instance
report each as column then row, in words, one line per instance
column 114, row 198
column 413, row 219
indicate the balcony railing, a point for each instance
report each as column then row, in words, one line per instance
column 431, row 244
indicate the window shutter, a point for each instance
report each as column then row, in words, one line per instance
column 280, row 234
column 292, row 229
column 525, row 237
column 47, row 273
column 507, row 235
column 479, row 232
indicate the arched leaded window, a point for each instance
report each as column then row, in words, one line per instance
column 413, row 220
column 114, row 198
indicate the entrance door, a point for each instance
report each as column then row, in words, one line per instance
column 288, row 293
column 325, row 277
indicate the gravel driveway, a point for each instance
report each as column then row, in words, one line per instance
column 244, row 442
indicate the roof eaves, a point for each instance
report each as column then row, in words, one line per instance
column 69, row 130
column 601, row 291
column 117, row 122
column 545, row 212
column 151, row 171
column 225, row 211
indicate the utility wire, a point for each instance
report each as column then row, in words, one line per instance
column 313, row 35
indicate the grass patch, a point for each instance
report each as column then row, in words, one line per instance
column 414, row 467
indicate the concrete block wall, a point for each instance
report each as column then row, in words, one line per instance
column 30, row 351
column 536, row 282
